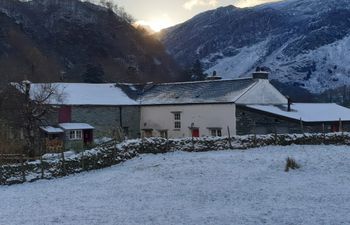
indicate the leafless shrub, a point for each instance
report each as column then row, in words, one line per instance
column 291, row 164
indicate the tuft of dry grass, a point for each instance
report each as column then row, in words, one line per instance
column 291, row 164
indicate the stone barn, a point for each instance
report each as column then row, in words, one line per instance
column 292, row 118
column 87, row 112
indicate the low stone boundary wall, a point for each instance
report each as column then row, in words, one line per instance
column 53, row 166
column 160, row 145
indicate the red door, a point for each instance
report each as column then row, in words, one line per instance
column 195, row 132
column 64, row 114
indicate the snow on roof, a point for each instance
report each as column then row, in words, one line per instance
column 196, row 92
column 52, row 130
column 308, row 112
column 76, row 126
column 87, row 94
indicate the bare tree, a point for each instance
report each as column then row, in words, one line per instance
column 119, row 11
column 27, row 107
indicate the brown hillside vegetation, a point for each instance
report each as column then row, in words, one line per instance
column 50, row 40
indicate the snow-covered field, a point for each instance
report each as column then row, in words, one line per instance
column 227, row 187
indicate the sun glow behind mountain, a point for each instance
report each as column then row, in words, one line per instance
column 250, row 3
column 159, row 14
column 154, row 25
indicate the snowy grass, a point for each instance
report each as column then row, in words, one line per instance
column 225, row 187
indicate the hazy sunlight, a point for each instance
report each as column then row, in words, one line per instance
column 156, row 24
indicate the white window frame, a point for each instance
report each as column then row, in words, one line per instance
column 177, row 124
column 215, row 132
column 177, row 120
column 75, row 135
column 177, row 116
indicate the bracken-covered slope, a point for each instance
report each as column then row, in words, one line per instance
column 304, row 43
column 51, row 40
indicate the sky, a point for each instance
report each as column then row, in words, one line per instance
column 159, row 14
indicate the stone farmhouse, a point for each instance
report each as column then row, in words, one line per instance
column 187, row 109
column 89, row 111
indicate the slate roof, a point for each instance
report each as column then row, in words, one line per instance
column 218, row 91
column 308, row 112
column 211, row 91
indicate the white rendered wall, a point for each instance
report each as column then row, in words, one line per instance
column 202, row 116
column 263, row 93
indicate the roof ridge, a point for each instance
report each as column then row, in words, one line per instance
column 246, row 91
column 203, row 81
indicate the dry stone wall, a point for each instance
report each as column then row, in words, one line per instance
column 53, row 166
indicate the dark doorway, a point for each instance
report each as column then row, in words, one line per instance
column 88, row 136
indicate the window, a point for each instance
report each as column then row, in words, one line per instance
column 75, row 135
column 177, row 125
column 216, row 132
column 177, row 120
column 177, row 116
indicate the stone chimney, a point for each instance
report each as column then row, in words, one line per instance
column 289, row 104
column 214, row 76
column 261, row 75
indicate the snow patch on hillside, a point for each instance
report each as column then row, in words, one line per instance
column 331, row 64
column 238, row 65
column 318, row 70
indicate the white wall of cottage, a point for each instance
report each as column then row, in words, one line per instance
column 203, row 117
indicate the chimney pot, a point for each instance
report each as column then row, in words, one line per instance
column 289, row 104
column 261, row 75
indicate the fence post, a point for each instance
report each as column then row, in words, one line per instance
column 114, row 153
column 142, row 145
column 301, row 126
column 324, row 132
column 167, row 144
column 1, row 167
column 41, row 159
column 23, row 169
column 229, row 137
column 82, row 161
column 276, row 140
column 42, row 167
column 341, row 126
column 192, row 141
column 254, row 131
column 63, row 163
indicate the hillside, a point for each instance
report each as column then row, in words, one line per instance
column 304, row 43
column 221, row 187
column 52, row 40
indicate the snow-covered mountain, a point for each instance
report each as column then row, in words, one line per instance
column 304, row 43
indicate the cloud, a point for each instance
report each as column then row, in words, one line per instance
column 190, row 4
column 249, row 3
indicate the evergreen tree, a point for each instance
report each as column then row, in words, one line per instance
column 197, row 71
column 93, row 74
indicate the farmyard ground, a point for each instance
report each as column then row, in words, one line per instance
column 226, row 187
